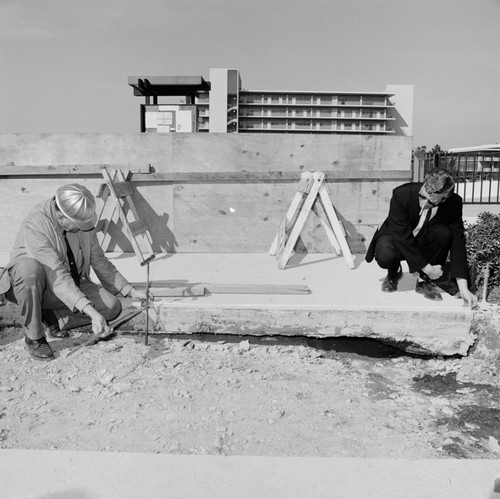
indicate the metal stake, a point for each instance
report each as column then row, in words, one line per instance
column 147, row 304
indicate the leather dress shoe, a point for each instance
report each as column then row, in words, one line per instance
column 39, row 349
column 428, row 289
column 391, row 284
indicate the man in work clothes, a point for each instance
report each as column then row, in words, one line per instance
column 423, row 227
column 49, row 270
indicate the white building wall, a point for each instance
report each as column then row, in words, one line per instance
column 223, row 82
column 218, row 100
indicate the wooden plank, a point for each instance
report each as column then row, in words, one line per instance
column 163, row 292
column 323, row 218
column 128, row 203
column 305, row 184
column 73, row 169
column 268, row 176
column 336, row 225
column 280, row 239
column 123, row 189
column 148, row 253
column 260, row 289
column 105, row 214
column 301, row 219
column 169, row 288
column 102, row 192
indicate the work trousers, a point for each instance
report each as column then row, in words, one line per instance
column 434, row 246
column 40, row 306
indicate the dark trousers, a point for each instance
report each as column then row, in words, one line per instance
column 40, row 306
column 434, row 245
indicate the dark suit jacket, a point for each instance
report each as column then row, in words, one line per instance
column 403, row 218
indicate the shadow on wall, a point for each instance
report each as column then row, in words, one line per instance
column 163, row 239
column 356, row 241
column 399, row 123
column 314, row 238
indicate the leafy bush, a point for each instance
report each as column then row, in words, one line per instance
column 483, row 246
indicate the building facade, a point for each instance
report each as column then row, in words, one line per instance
column 222, row 105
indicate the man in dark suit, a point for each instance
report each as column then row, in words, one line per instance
column 423, row 227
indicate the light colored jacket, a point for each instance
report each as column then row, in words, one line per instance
column 41, row 238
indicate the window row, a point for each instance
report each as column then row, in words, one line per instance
column 312, row 99
column 283, row 125
column 314, row 113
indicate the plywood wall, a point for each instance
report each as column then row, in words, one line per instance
column 218, row 214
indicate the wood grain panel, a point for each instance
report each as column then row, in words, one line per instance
column 215, row 192
column 289, row 152
column 245, row 217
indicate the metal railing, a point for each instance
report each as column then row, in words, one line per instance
column 477, row 174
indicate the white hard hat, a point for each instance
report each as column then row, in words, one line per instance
column 77, row 203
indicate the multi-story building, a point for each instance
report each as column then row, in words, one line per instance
column 223, row 106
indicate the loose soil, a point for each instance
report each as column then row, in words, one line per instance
column 266, row 396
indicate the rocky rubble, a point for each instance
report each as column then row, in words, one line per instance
column 208, row 394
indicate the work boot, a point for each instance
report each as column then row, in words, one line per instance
column 428, row 289
column 39, row 349
column 390, row 283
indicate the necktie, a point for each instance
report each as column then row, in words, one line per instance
column 72, row 264
column 425, row 216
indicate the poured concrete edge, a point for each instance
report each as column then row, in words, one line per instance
column 424, row 332
column 112, row 475
column 342, row 302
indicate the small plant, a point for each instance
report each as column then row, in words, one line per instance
column 483, row 249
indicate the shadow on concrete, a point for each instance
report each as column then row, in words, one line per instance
column 67, row 494
column 296, row 260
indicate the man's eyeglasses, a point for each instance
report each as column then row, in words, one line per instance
column 432, row 203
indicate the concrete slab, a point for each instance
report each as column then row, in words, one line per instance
column 342, row 302
column 100, row 475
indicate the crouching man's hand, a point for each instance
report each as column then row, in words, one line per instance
column 139, row 294
column 99, row 323
column 433, row 271
column 469, row 298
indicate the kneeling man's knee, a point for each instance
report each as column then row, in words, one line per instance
column 442, row 233
column 27, row 275
column 114, row 308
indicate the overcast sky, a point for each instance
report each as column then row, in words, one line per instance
column 65, row 63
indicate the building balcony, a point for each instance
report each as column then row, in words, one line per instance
column 335, row 105
column 311, row 127
column 268, row 117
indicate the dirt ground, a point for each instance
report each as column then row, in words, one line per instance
column 267, row 396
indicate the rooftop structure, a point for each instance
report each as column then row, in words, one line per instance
column 472, row 149
column 224, row 106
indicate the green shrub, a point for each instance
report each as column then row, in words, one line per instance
column 483, row 246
